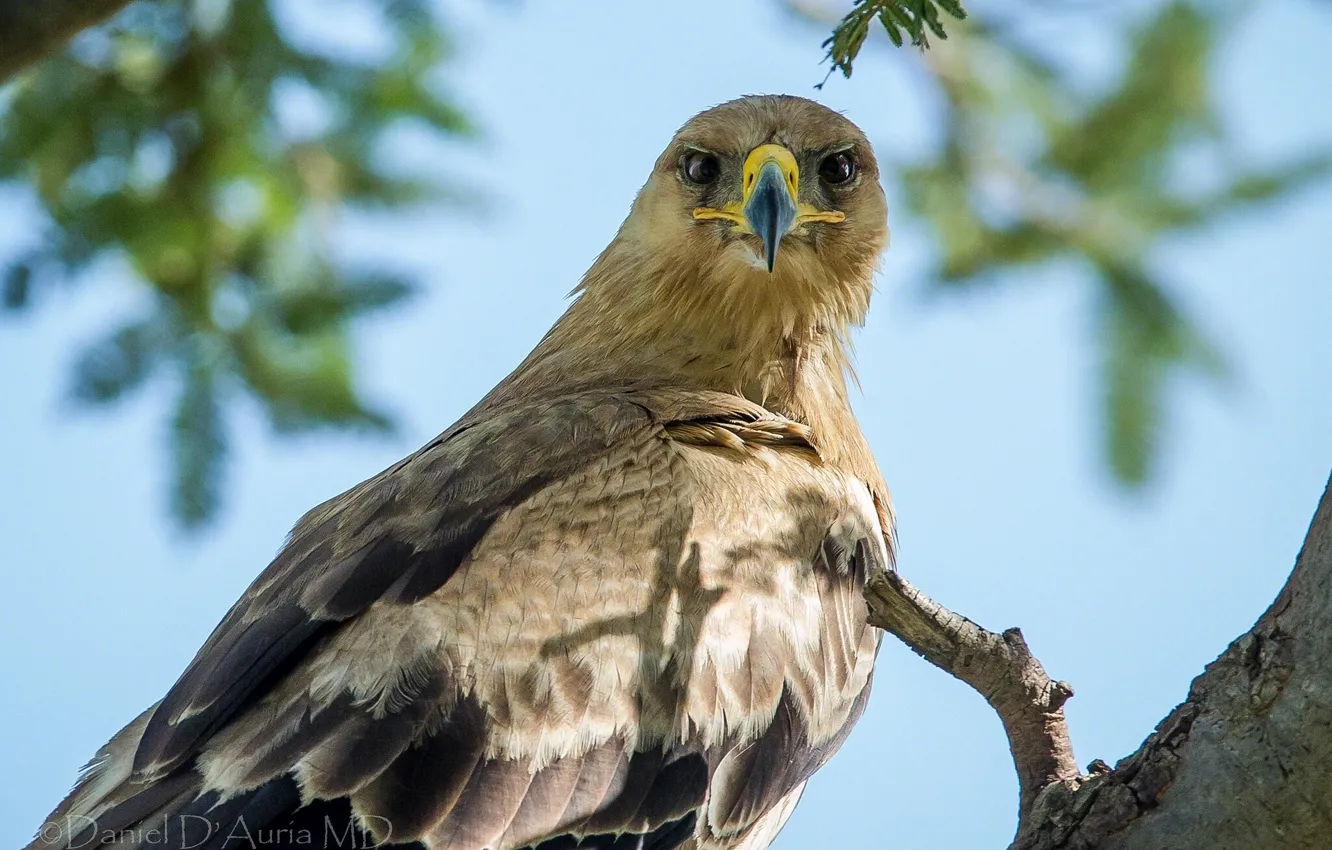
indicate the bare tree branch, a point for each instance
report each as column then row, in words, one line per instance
column 999, row 667
column 31, row 30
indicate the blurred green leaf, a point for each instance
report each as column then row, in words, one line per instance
column 17, row 285
column 1146, row 338
column 308, row 310
column 198, row 441
column 1161, row 101
column 303, row 379
column 121, row 362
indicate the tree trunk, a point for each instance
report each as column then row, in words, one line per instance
column 1244, row 763
column 31, row 30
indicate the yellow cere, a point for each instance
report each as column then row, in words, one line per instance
column 754, row 163
column 781, row 157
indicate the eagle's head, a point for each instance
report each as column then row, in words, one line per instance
column 765, row 206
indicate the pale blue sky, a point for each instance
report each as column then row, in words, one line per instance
column 981, row 409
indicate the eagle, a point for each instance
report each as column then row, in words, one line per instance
column 617, row 605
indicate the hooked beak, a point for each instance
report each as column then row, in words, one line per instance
column 769, row 207
column 772, row 180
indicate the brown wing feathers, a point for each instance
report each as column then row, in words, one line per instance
column 395, row 538
column 343, row 557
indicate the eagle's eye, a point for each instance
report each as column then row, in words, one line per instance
column 837, row 168
column 700, row 168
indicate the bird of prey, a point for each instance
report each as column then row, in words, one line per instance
column 616, row 605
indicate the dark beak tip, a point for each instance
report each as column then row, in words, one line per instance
column 772, row 239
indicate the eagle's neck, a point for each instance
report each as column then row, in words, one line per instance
column 790, row 362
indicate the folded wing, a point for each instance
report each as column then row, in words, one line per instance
column 604, row 618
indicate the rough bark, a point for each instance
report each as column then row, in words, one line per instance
column 31, row 30
column 1242, row 763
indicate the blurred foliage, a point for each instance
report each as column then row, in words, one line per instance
column 1031, row 168
column 156, row 140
